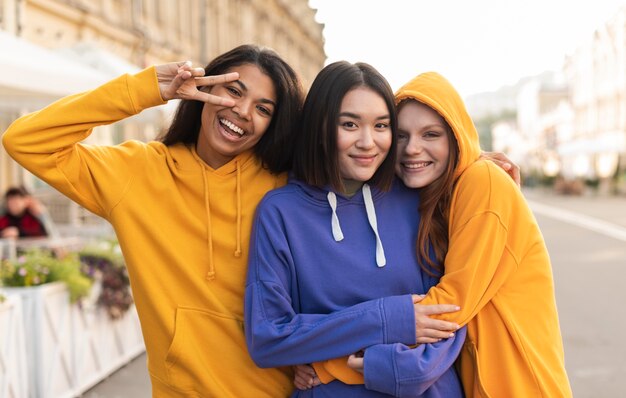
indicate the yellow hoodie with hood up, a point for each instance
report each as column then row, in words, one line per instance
column 497, row 270
column 183, row 228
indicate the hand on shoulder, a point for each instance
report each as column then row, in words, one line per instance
column 506, row 164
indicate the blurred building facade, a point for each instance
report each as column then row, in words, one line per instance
column 571, row 124
column 544, row 121
column 597, row 76
column 147, row 32
column 52, row 48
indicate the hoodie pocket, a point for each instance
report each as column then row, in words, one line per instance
column 209, row 357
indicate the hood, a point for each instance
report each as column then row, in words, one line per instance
column 434, row 90
column 324, row 196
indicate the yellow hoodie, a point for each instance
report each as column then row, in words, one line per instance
column 497, row 269
column 183, row 228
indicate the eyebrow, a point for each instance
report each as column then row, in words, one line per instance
column 245, row 88
column 430, row 126
column 355, row 116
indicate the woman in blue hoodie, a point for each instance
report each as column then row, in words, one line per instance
column 332, row 265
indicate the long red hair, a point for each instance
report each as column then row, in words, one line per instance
column 434, row 208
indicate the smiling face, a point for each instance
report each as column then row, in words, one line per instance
column 423, row 145
column 363, row 136
column 227, row 132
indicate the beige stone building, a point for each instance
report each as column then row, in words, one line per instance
column 145, row 32
column 51, row 48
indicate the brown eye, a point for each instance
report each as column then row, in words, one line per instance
column 264, row 110
column 233, row 91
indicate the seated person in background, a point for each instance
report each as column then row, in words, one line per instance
column 21, row 217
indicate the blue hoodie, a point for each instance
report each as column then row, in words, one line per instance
column 322, row 285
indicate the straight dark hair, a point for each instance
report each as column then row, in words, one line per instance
column 273, row 149
column 16, row 191
column 316, row 157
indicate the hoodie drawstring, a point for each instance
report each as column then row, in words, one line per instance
column 371, row 216
column 337, row 233
column 238, row 249
column 211, row 273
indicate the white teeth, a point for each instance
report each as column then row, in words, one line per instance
column 416, row 165
column 232, row 126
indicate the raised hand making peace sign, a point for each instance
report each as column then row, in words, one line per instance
column 179, row 80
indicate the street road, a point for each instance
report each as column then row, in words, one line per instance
column 589, row 263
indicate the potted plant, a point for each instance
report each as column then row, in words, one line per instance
column 49, row 289
column 104, row 263
column 37, row 267
column 108, row 333
column 79, row 321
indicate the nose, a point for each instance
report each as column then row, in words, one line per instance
column 366, row 139
column 243, row 108
column 414, row 146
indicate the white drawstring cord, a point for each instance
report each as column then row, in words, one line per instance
column 337, row 233
column 371, row 216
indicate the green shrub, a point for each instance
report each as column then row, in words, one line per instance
column 36, row 267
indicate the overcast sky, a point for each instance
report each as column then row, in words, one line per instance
column 479, row 45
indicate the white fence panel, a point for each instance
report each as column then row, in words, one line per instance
column 48, row 336
column 104, row 345
column 13, row 365
column 68, row 348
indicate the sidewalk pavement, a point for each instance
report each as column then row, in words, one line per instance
column 133, row 381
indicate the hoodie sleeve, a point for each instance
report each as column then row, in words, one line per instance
column 277, row 336
column 46, row 142
column 402, row 371
column 479, row 260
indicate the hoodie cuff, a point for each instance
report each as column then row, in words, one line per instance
column 143, row 89
column 379, row 369
column 399, row 320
